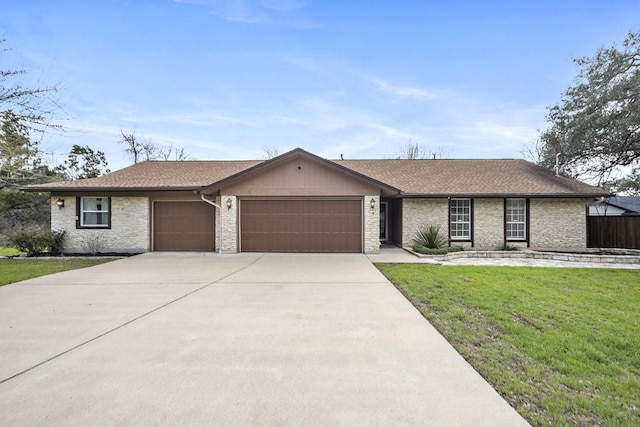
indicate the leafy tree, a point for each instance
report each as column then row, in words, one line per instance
column 83, row 162
column 23, row 109
column 596, row 125
column 20, row 165
column 17, row 151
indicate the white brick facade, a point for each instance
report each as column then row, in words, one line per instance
column 371, row 225
column 229, row 224
column 129, row 232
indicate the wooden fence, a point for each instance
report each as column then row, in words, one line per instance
column 613, row 232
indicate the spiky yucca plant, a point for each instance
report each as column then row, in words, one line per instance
column 430, row 237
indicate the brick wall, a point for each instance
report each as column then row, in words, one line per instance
column 558, row 223
column 418, row 213
column 554, row 223
column 488, row 223
column 371, row 225
column 229, row 224
column 129, row 230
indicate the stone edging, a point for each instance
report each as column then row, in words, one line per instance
column 530, row 254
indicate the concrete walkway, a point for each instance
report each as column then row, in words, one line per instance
column 206, row 339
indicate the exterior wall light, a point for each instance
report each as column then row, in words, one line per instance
column 60, row 203
column 229, row 203
column 372, row 203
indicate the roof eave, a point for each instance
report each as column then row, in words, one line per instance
column 106, row 189
column 500, row 195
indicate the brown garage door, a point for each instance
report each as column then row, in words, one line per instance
column 183, row 226
column 301, row 225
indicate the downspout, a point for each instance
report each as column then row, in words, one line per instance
column 220, row 222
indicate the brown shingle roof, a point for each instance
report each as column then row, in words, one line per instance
column 457, row 177
column 413, row 177
column 157, row 175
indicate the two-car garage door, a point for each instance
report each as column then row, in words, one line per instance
column 268, row 225
column 301, row 225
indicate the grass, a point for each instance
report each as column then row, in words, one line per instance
column 4, row 251
column 16, row 270
column 561, row 345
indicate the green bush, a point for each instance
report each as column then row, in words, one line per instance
column 439, row 251
column 36, row 242
column 430, row 237
column 507, row 247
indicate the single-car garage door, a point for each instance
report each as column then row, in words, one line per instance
column 183, row 226
column 309, row 225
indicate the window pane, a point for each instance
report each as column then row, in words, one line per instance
column 94, row 218
column 94, row 204
column 515, row 219
column 95, row 211
column 460, row 218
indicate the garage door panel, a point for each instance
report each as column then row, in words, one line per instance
column 301, row 225
column 183, row 226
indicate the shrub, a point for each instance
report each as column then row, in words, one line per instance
column 36, row 242
column 439, row 251
column 430, row 237
column 94, row 244
column 507, row 247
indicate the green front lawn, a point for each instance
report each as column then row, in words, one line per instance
column 561, row 345
column 15, row 270
column 9, row 251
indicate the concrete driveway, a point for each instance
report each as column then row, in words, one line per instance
column 230, row 340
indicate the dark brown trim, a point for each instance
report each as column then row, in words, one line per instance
column 472, row 222
column 79, row 213
column 449, row 219
column 528, row 208
column 496, row 196
column 504, row 221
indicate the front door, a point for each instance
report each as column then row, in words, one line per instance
column 383, row 221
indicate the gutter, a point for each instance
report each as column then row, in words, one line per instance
column 220, row 222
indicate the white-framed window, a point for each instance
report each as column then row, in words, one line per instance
column 460, row 219
column 94, row 212
column 516, row 219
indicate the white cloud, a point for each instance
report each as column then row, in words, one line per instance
column 402, row 91
column 283, row 4
column 266, row 12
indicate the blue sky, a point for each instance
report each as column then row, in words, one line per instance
column 227, row 79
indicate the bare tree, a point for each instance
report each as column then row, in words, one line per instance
column 271, row 152
column 173, row 153
column 139, row 148
column 414, row 150
column 32, row 106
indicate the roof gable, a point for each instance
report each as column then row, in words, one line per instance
column 299, row 183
